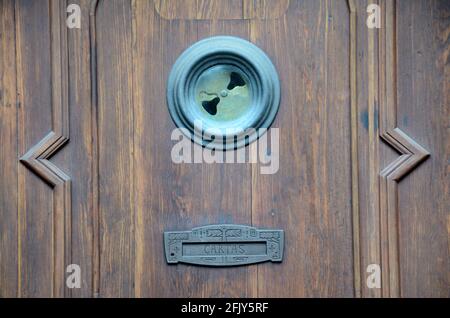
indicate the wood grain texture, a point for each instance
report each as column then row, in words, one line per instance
column 36, row 158
column 379, row 211
column 359, row 107
column 423, row 109
column 411, row 154
column 365, row 127
column 220, row 9
column 79, row 152
column 176, row 197
column 310, row 196
column 95, row 147
column 8, row 153
column 115, row 147
column 356, row 237
column 36, row 237
column 264, row 9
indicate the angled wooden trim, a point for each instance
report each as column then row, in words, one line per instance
column 351, row 6
column 411, row 153
column 37, row 157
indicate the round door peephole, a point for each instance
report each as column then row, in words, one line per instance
column 222, row 91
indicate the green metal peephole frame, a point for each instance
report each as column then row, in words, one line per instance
column 222, row 90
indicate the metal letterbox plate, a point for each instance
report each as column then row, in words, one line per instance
column 224, row 245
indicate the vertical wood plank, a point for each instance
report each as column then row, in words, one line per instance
column 309, row 196
column 423, row 69
column 96, row 257
column 171, row 9
column 115, row 140
column 79, row 152
column 177, row 197
column 354, row 150
column 218, row 9
column 8, row 153
column 35, row 211
column 199, row 9
column 233, row 200
column 264, row 9
column 411, row 154
column 366, row 129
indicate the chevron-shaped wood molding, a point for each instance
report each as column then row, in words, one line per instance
column 37, row 157
column 411, row 154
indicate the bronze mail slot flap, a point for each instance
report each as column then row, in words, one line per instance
column 224, row 245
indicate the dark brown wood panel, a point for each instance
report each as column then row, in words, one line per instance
column 35, row 210
column 423, row 70
column 8, row 153
column 310, row 196
column 220, row 10
column 177, row 197
column 115, row 148
column 367, row 137
column 364, row 149
column 80, row 153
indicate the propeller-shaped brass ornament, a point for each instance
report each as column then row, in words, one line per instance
column 223, row 93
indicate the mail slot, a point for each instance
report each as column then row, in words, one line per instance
column 224, row 245
column 226, row 249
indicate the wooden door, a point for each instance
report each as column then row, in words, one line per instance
column 85, row 142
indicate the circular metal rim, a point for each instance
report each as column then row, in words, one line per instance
column 220, row 50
